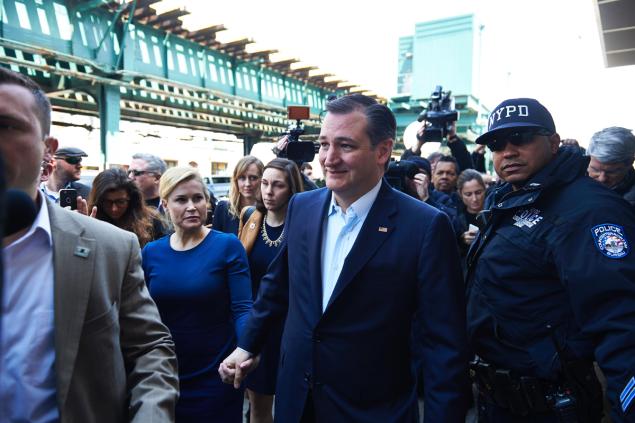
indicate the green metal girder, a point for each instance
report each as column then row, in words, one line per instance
column 103, row 54
column 89, row 5
column 109, row 115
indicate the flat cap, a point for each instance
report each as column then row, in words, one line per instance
column 70, row 152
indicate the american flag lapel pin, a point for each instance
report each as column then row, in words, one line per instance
column 383, row 229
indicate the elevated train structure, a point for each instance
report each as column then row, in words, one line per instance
column 122, row 61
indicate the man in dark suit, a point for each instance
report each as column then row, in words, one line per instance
column 361, row 262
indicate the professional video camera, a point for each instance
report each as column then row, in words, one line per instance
column 297, row 150
column 398, row 172
column 439, row 114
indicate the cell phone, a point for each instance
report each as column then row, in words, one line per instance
column 473, row 228
column 68, row 197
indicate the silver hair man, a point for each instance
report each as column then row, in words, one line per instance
column 155, row 163
column 612, row 152
column 146, row 170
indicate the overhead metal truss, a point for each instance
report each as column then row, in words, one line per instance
column 123, row 60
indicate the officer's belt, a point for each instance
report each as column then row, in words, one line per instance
column 521, row 395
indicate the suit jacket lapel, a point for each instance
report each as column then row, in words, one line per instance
column 377, row 228
column 73, row 260
column 318, row 211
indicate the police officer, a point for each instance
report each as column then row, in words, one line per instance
column 551, row 281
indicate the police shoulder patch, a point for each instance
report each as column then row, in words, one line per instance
column 628, row 394
column 611, row 240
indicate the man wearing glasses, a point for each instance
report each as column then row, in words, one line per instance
column 67, row 169
column 550, row 281
column 146, row 170
column 612, row 151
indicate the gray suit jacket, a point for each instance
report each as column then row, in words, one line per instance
column 114, row 359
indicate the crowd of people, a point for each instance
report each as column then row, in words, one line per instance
column 340, row 304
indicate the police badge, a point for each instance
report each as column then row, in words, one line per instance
column 610, row 239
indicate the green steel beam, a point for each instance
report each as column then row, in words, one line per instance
column 164, row 79
column 109, row 115
column 89, row 5
column 124, row 36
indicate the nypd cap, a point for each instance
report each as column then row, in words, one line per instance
column 517, row 113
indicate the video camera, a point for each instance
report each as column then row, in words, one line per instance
column 439, row 114
column 297, row 150
column 397, row 174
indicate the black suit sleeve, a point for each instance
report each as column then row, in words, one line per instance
column 440, row 325
column 272, row 300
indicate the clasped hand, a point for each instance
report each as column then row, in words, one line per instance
column 237, row 366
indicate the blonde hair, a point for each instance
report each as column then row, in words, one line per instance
column 234, row 194
column 177, row 175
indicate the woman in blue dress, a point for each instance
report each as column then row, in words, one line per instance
column 244, row 191
column 262, row 234
column 199, row 279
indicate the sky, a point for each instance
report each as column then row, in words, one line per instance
column 545, row 49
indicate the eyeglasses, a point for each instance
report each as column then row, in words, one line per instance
column 596, row 173
column 135, row 172
column 119, row 202
column 515, row 138
column 71, row 160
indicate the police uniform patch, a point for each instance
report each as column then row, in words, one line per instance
column 527, row 217
column 611, row 240
column 627, row 395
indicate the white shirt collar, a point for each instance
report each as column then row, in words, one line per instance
column 361, row 206
column 42, row 221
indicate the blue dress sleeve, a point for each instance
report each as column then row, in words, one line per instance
column 239, row 283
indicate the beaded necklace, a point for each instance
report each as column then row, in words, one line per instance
column 265, row 237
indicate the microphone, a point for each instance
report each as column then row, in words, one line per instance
column 20, row 213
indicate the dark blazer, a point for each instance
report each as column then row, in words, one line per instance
column 356, row 357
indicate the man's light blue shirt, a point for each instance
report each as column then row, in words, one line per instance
column 27, row 343
column 340, row 232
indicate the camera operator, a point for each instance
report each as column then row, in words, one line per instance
column 291, row 147
column 455, row 144
column 413, row 178
column 420, row 186
column 280, row 150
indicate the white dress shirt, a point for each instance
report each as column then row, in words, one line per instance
column 340, row 232
column 27, row 347
column 54, row 196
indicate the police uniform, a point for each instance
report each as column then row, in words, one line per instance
column 551, row 288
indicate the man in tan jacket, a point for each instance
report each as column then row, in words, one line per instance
column 80, row 340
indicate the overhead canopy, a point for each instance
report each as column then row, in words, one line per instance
column 616, row 20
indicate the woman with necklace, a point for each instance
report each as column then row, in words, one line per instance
column 199, row 279
column 262, row 234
